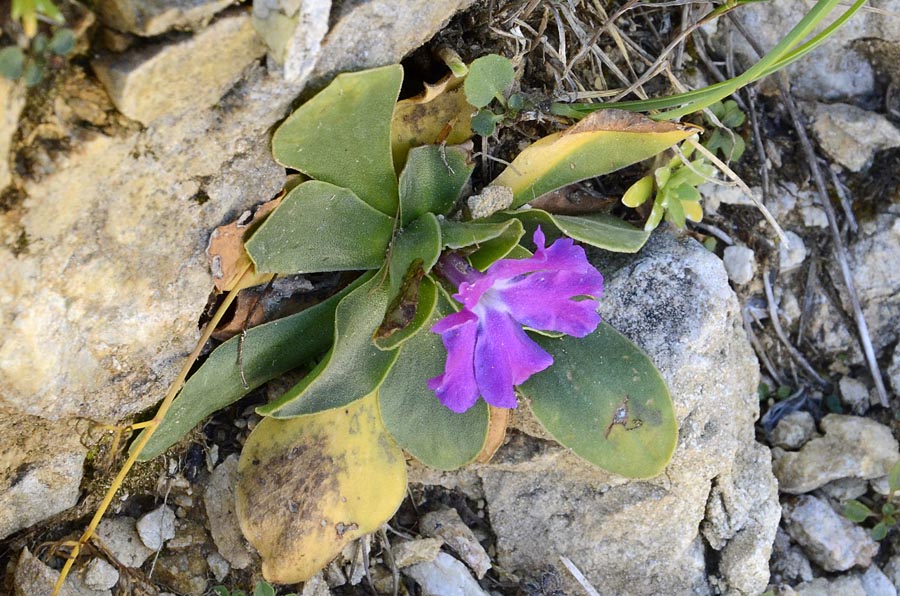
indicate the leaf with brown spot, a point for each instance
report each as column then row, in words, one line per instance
column 227, row 257
column 308, row 486
column 440, row 114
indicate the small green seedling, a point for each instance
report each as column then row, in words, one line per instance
column 28, row 12
column 262, row 588
column 30, row 65
column 487, row 83
column 675, row 187
column 887, row 515
column 725, row 140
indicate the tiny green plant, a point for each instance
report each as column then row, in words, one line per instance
column 262, row 588
column 674, row 188
column 885, row 515
column 486, row 87
column 724, row 139
column 30, row 64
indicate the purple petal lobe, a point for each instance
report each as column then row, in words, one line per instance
column 456, row 388
column 504, row 356
column 544, row 300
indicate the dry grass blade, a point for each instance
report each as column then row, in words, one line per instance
column 579, row 576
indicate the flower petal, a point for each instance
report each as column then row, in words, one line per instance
column 504, row 356
column 544, row 300
column 456, row 388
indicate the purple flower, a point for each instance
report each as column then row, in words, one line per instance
column 488, row 352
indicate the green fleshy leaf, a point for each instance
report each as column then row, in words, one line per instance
column 484, row 123
column 462, row 234
column 879, row 532
column 268, row 351
column 412, row 413
column 12, row 62
column 406, row 324
column 894, row 477
column 497, row 248
column 604, row 400
column 62, row 42
column 33, row 73
column 675, row 211
column 343, row 136
column 49, row 10
column 353, row 368
column 639, row 192
column 320, row 227
column 857, row 512
column 603, row 142
column 419, row 241
column 263, row 589
column 488, row 77
column 432, row 180
column 603, row 231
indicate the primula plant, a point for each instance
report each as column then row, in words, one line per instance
column 450, row 323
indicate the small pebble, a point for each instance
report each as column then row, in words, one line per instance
column 100, row 575
column 740, row 264
column 156, row 527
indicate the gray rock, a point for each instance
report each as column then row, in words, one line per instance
column 852, row 447
column 315, row 586
column 854, row 394
column 845, row 489
column 218, row 565
column 789, row 564
column 833, row 71
column 184, row 572
column 449, row 527
column 876, row 583
column 119, row 535
column 792, row 253
column 444, row 576
column 881, row 485
column 740, row 263
column 197, row 70
column 641, row 537
column 892, row 571
column 829, row 539
column 37, row 481
column 156, row 527
column 153, row 17
column 794, row 430
column 293, row 31
column 893, row 371
column 33, row 578
column 223, row 521
column 12, row 101
column 850, row 135
column 872, row 257
column 416, row 551
column 100, row 575
column 845, row 585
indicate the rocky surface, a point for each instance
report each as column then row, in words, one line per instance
column 852, row 447
column 850, row 135
column 444, row 576
column 37, row 481
column 197, row 70
column 153, row 17
column 220, row 510
column 12, row 101
column 829, row 539
column 794, row 430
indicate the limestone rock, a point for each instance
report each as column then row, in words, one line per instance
column 12, row 101
column 833, row 71
column 223, row 521
column 794, row 430
column 789, row 564
column 153, row 17
column 641, row 537
column 876, row 583
column 156, row 527
column 845, row 489
column 100, row 575
column 294, row 31
column 792, row 253
column 32, row 577
column 854, row 394
column 449, row 527
column 37, row 481
column 851, row 135
column 845, row 585
column 893, row 371
column 119, row 535
column 197, row 71
column 416, row 551
column 218, row 565
column 184, row 572
column 852, row 447
column 831, row 540
column 740, row 263
column 444, row 576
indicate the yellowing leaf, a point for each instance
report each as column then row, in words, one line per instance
column 440, row 114
column 605, row 141
column 639, row 192
column 692, row 210
column 308, row 486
